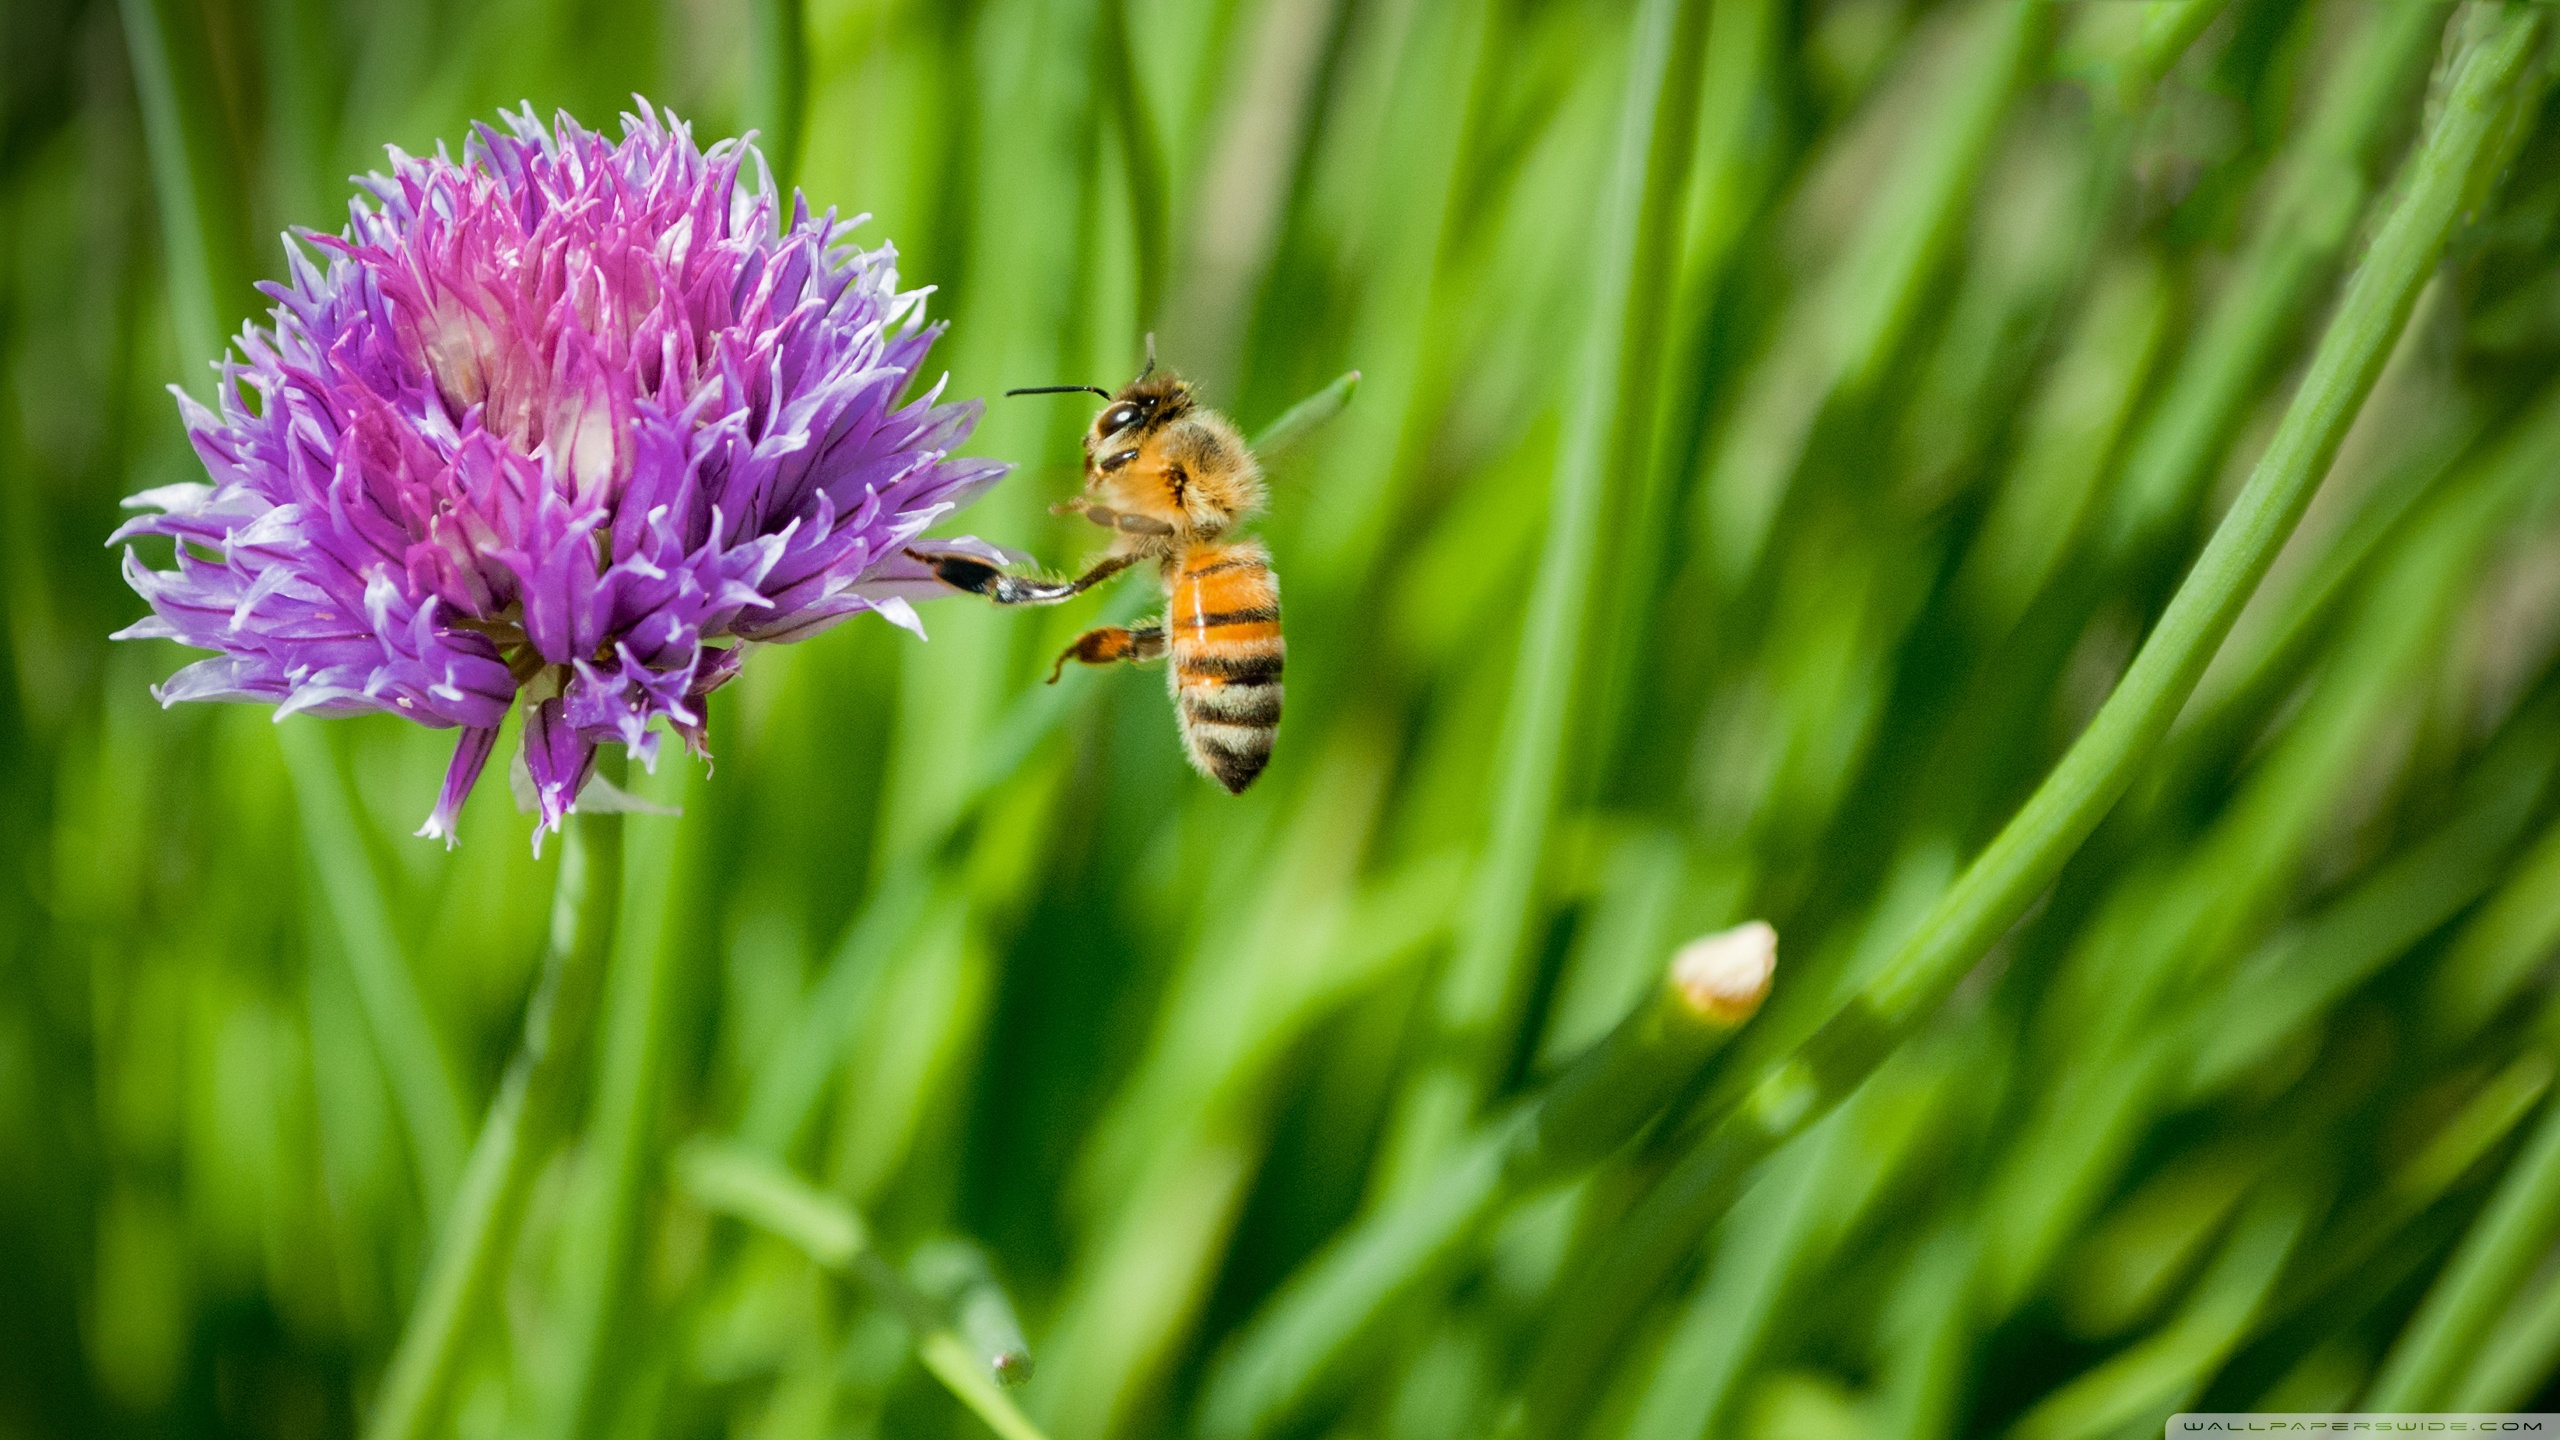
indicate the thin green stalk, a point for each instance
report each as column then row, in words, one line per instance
column 1729, row 189
column 599, row 1239
column 1723, row 1323
column 2498, row 952
column 2070, row 431
column 2295, row 980
column 2165, row 1370
column 2517, row 1360
column 297, row 133
column 2481, row 91
column 2260, row 665
column 2065, row 1166
column 1307, row 416
column 1211, row 1050
column 954, row 1274
column 524, row 1120
column 404, row 1036
column 2317, row 195
column 747, row 1186
column 963, row 1372
column 200, row 222
column 2495, row 1259
column 1141, row 155
column 1026, row 105
column 2368, row 1247
column 2233, row 883
column 778, row 83
column 1172, row 1166
column 792, row 1082
column 1422, row 285
column 1932, row 1330
column 1609, row 422
column 2177, row 939
column 2123, row 50
column 1839, row 340
column 1326, row 1319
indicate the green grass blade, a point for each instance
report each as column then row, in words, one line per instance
column 778, row 84
column 1329, row 1315
column 752, row 1188
column 198, row 200
column 1846, row 331
column 2159, row 1375
column 2453, row 1323
column 792, row 1082
column 2309, row 218
column 2516, row 1360
column 2071, row 430
column 1307, row 416
column 404, row 1036
column 964, row 1373
column 956, row 1276
column 1141, row 154
column 1608, row 424
column 2123, row 50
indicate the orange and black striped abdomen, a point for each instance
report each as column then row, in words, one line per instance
column 1223, row 628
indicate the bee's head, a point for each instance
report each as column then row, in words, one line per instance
column 1143, row 406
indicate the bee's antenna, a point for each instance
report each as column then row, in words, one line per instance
column 1058, row 390
column 1151, row 356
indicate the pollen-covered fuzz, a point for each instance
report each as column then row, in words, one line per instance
column 567, row 424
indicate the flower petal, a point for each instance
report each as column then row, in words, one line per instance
column 468, row 758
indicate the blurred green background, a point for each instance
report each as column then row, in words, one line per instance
column 1780, row 421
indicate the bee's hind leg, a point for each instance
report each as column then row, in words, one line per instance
column 968, row 572
column 1110, row 644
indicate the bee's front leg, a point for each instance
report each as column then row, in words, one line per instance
column 968, row 572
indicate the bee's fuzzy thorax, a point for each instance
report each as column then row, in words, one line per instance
column 1225, row 482
column 1166, row 469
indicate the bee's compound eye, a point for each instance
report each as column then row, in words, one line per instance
column 1119, row 418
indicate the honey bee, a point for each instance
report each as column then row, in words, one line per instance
column 1170, row 478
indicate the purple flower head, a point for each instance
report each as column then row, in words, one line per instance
column 567, row 424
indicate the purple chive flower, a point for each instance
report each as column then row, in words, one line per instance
column 568, row 424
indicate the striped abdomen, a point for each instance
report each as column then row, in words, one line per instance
column 1223, row 628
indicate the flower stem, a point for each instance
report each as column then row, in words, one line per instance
column 600, row 1236
column 1754, row 1118
column 523, row 1121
